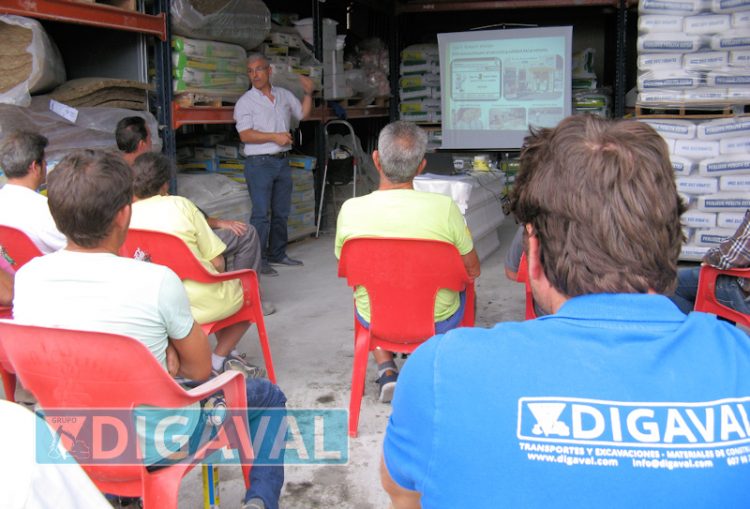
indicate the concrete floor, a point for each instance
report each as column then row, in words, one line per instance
column 311, row 338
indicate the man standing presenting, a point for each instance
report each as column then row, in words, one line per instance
column 21, row 206
column 263, row 116
column 397, row 210
column 617, row 399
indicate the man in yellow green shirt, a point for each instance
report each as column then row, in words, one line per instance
column 397, row 210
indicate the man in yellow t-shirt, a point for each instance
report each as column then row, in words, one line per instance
column 397, row 210
column 154, row 209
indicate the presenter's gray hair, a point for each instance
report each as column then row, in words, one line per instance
column 253, row 57
column 401, row 147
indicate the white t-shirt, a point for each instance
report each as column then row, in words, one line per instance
column 22, row 208
column 26, row 484
column 256, row 111
column 104, row 292
column 107, row 293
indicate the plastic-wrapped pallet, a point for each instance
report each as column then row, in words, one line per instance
column 419, row 84
column 693, row 53
column 29, row 60
column 243, row 22
column 93, row 128
column 712, row 171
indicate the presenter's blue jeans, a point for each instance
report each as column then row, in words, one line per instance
column 269, row 182
column 728, row 291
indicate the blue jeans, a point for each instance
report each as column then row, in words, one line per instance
column 728, row 291
column 441, row 327
column 269, row 182
column 265, row 481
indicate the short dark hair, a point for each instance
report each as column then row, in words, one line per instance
column 129, row 132
column 150, row 171
column 86, row 190
column 18, row 150
column 601, row 197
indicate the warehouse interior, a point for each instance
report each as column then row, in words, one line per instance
column 180, row 64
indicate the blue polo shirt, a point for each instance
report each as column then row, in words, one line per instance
column 614, row 401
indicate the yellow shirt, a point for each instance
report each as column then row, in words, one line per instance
column 405, row 213
column 179, row 216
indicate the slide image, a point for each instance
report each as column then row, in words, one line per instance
column 538, row 78
column 476, row 79
column 508, row 119
column 545, row 117
column 467, row 118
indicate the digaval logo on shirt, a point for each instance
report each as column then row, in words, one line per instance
column 655, row 424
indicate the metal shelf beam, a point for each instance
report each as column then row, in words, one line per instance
column 98, row 15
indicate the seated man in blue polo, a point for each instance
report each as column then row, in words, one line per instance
column 615, row 399
column 397, row 210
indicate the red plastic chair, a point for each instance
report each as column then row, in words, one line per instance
column 705, row 299
column 523, row 277
column 18, row 245
column 67, row 369
column 20, row 248
column 170, row 250
column 402, row 277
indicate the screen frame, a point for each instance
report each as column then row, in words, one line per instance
column 494, row 139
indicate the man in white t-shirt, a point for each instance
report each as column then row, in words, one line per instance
column 21, row 206
column 87, row 286
column 25, row 482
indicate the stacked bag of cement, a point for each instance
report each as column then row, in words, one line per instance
column 711, row 160
column 693, row 52
column 208, row 70
column 419, row 84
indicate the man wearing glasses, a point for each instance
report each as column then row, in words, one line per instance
column 263, row 116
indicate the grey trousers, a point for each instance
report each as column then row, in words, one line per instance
column 242, row 252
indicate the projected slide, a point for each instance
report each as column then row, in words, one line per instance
column 500, row 82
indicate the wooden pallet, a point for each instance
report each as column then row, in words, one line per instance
column 361, row 102
column 188, row 100
column 128, row 5
column 691, row 110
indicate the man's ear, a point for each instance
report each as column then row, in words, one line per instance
column 532, row 254
column 545, row 295
column 376, row 161
column 122, row 218
column 421, row 167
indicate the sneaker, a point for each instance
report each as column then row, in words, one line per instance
column 289, row 262
column 254, row 503
column 238, row 363
column 267, row 270
column 387, row 383
column 268, row 307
